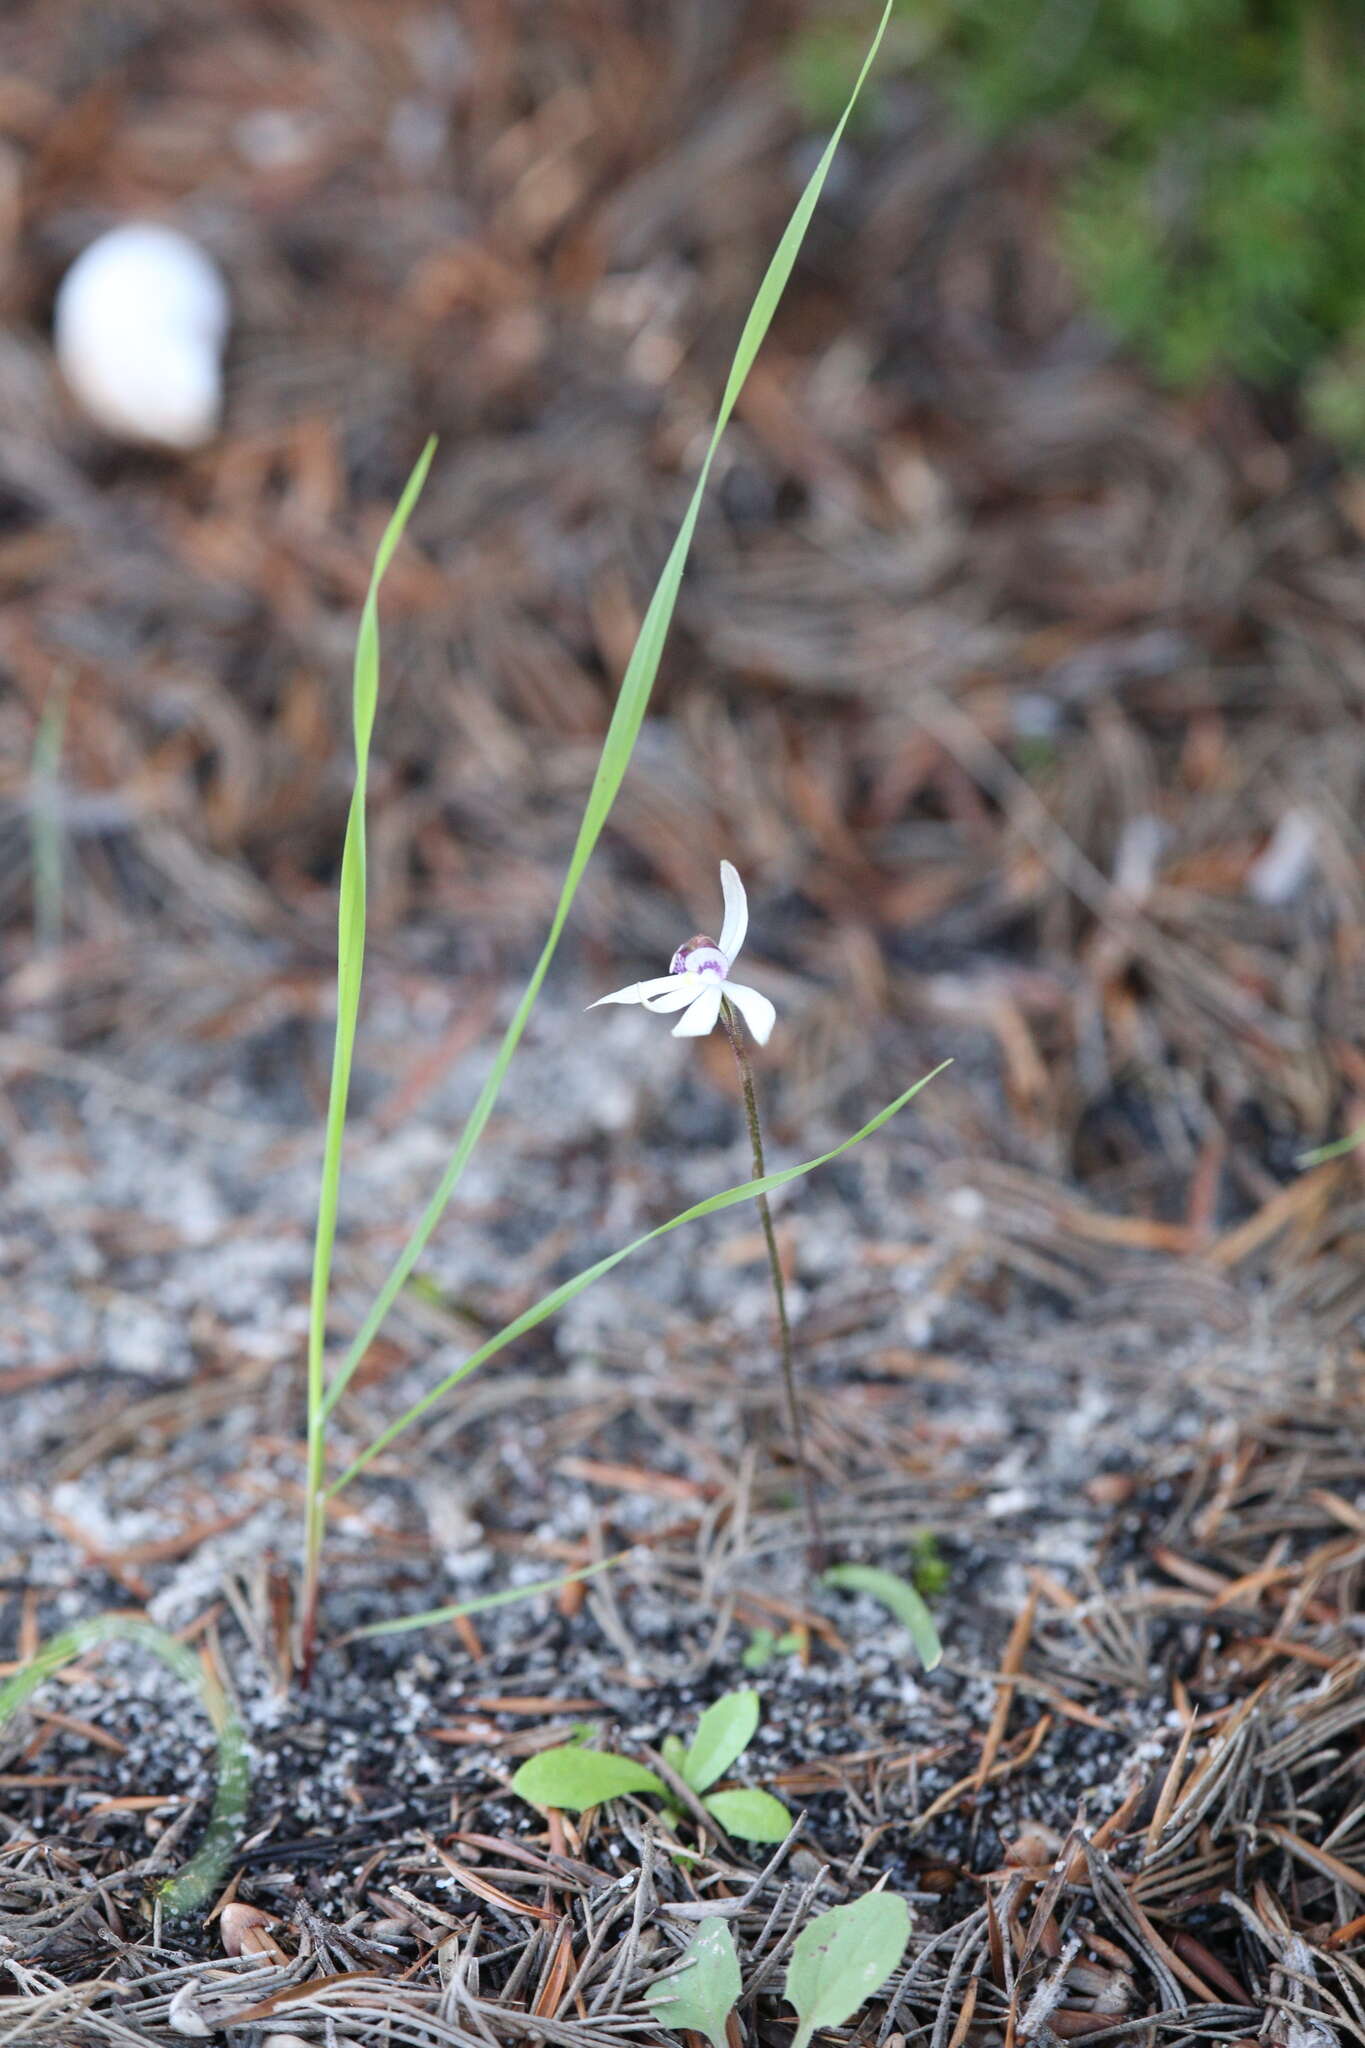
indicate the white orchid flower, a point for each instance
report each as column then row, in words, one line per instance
column 699, row 979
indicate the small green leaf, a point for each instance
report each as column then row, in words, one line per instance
column 752, row 1816
column 579, row 1778
column 724, row 1732
column 842, row 1958
column 700, row 1995
column 764, row 1646
column 896, row 1595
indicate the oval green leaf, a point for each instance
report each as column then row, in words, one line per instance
column 724, row 1732
column 842, row 1958
column 749, row 1815
column 576, row 1779
column 700, row 1994
column 899, row 1597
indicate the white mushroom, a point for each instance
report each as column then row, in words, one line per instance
column 140, row 322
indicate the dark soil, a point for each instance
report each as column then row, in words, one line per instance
column 1113, row 1476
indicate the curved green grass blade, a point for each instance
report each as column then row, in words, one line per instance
column 556, row 1298
column 204, row 1873
column 631, row 704
column 1336, row 1150
column 899, row 1597
column 46, row 830
column 431, row 1617
column 350, row 971
column 351, row 929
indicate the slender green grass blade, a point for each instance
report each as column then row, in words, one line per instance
column 431, row 1617
column 631, row 704
column 46, row 820
column 206, row 1869
column 1338, row 1149
column 351, row 934
column 565, row 1292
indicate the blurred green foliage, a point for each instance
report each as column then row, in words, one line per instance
column 1216, row 212
column 929, row 1569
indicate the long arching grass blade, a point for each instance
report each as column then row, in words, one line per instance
column 565, row 1292
column 631, row 704
column 350, row 972
column 509, row 1596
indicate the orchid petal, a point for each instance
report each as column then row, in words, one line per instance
column 638, row 992
column 682, row 989
column 757, row 1012
column 736, row 913
column 702, row 1016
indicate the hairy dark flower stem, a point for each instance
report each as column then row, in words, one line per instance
column 817, row 1555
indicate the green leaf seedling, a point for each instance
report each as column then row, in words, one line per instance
column 723, row 1734
column 576, row 1778
column 750, row 1815
column 837, row 1963
column 764, row 1645
column 842, row 1957
column 699, row 1995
